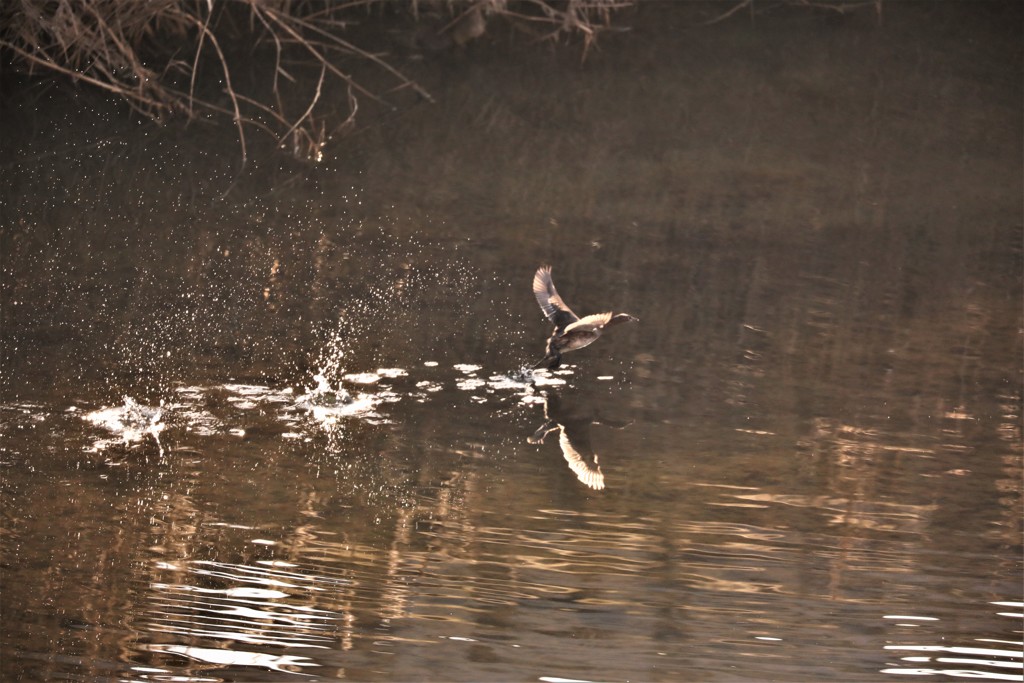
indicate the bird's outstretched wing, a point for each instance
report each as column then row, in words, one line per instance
column 589, row 323
column 547, row 296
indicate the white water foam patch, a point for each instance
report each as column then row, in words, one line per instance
column 522, row 383
column 374, row 377
column 130, row 422
column 362, row 377
column 328, row 407
column 249, row 396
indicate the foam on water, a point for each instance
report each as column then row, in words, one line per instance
column 130, row 422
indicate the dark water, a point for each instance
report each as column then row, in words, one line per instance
column 277, row 426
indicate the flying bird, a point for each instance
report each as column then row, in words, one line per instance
column 571, row 331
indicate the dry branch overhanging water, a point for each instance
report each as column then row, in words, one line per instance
column 164, row 57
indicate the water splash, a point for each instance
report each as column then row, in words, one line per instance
column 327, row 403
column 131, row 422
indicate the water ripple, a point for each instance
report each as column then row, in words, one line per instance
column 967, row 661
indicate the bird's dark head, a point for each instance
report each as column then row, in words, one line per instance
column 619, row 318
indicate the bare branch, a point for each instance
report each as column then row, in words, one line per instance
column 227, row 84
column 726, row 15
column 309, row 110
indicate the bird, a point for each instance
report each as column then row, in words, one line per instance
column 571, row 331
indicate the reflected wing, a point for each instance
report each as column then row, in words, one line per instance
column 588, row 474
column 547, row 296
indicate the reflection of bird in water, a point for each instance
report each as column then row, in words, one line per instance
column 574, row 439
column 571, row 332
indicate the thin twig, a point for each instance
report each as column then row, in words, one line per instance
column 319, row 57
column 726, row 15
column 309, row 110
column 195, row 61
column 229, row 88
column 79, row 76
column 364, row 54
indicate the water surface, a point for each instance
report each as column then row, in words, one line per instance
column 278, row 426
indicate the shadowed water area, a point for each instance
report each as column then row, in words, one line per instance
column 281, row 426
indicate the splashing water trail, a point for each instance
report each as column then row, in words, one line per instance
column 327, row 402
column 131, row 422
column 325, row 394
